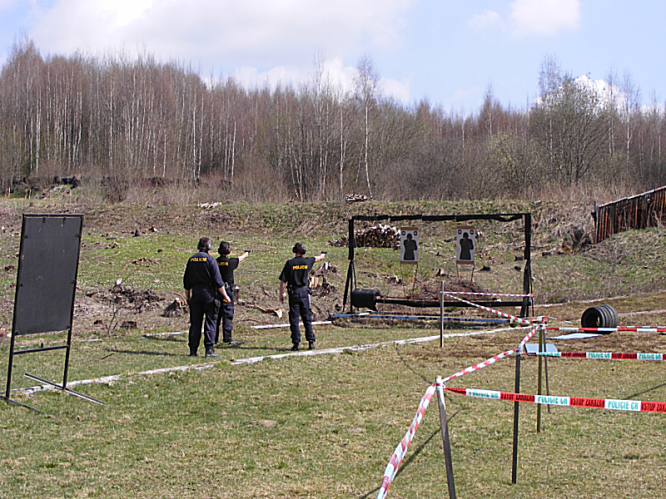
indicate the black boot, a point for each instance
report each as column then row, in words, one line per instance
column 193, row 352
column 295, row 348
column 211, row 353
column 311, row 345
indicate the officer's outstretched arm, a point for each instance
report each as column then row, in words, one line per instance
column 320, row 256
column 281, row 292
column 245, row 254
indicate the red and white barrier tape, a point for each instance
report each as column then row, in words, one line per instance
column 480, row 365
column 487, row 294
column 401, row 449
column 529, row 336
column 603, row 355
column 491, row 360
column 636, row 329
column 520, row 320
column 609, row 404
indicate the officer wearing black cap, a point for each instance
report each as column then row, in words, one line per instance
column 201, row 280
column 295, row 276
column 226, row 315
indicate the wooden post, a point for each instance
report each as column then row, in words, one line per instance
column 445, row 438
column 349, row 284
column 596, row 223
column 527, row 256
column 516, row 414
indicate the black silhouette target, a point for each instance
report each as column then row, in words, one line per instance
column 48, row 265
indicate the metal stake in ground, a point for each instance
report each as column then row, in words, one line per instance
column 516, row 414
column 445, row 438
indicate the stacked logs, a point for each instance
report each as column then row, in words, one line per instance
column 356, row 198
column 379, row 236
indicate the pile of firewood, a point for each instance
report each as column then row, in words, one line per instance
column 355, row 198
column 379, row 236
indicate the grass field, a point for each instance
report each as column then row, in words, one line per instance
column 326, row 425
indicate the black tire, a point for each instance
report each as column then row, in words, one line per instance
column 612, row 315
column 591, row 318
column 602, row 316
column 605, row 316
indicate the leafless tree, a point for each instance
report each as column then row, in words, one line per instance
column 368, row 92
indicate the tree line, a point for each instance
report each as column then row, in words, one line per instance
column 139, row 119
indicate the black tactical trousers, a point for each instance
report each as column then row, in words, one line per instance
column 299, row 307
column 200, row 306
column 225, row 319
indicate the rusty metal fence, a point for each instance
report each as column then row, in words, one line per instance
column 635, row 212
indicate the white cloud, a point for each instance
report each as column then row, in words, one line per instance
column 124, row 12
column 400, row 90
column 486, row 19
column 339, row 75
column 261, row 32
column 258, row 42
column 7, row 4
column 250, row 77
column 606, row 92
column 545, row 17
column 341, row 78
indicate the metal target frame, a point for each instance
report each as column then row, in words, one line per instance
column 45, row 289
column 350, row 284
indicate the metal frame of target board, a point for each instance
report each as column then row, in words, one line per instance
column 350, row 285
column 45, row 289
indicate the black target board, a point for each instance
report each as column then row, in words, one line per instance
column 46, row 281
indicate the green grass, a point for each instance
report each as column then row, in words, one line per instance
column 326, row 426
column 131, row 352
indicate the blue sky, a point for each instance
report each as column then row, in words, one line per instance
column 448, row 51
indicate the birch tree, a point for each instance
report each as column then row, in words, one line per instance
column 368, row 92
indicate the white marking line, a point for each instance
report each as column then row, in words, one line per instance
column 276, row 326
column 113, row 378
column 360, row 348
column 253, row 360
column 154, row 335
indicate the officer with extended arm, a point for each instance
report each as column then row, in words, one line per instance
column 201, row 280
column 226, row 315
column 295, row 277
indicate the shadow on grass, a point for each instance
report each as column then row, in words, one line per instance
column 144, row 352
column 420, row 375
column 172, row 339
column 646, row 391
column 220, row 346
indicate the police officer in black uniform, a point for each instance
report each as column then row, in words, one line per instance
column 226, row 315
column 295, row 276
column 201, row 280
